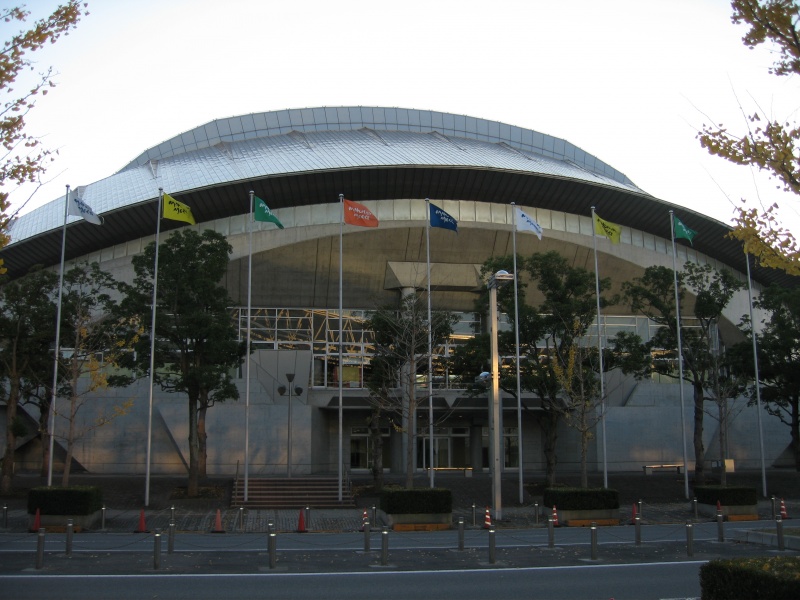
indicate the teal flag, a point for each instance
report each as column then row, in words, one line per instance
column 263, row 213
column 682, row 231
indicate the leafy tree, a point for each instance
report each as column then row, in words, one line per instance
column 98, row 337
column 768, row 144
column 197, row 342
column 27, row 316
column 24, row 159
column 778, row 359
column 401, row 347
column 653, row 295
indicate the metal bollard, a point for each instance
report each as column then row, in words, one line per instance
column 461, row 533
column 593, row 538
column 551, row 536
column 308, row 518
column 270, row 526
column 473, row 514
column 536, row 511
column 40, row 549
column 374, row 514
column 720, row 528
column 241, row 518
column 272, row 543
column 638, row 528
column 689, row 540
column 385, row 546
column 779, row 528
column 157, row 550
column 366, row 536
column 68, row 550
column 492, row 552
column 172, row 513
column 5, row 516
column 639, row 507
column 694, row 507
column 103, row 518
column 171, row 538
column 774, row 508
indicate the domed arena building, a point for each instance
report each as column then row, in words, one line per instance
column 390, row 160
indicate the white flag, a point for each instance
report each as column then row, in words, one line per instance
column 79, row 208
column 526, row 223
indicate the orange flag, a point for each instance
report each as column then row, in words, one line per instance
column 358, row 214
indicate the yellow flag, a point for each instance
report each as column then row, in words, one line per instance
column 177, row 211
column 607, row 229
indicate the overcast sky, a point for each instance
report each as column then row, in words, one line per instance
column 630, row 81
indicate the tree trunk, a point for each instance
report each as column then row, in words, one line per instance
column 202, row 446
column 11, row 438
column 723, row 439
column 585, row 434
column 699, row 449
column 795, row 429
column 411, row 394
column 549, row 423
column 73, row 410
column 192, row 489
column 376, row 440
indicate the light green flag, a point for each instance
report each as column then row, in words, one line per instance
column 682, row 231
column 263, row 213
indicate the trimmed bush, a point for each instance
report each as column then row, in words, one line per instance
column 773, row 578
column 726, row 495
column 399, row 501
column 77, row 500
column 566, row 498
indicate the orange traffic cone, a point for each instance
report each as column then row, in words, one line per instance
column 142, row 527
column 364, row 519
column 784, row 514
column 633, row 514
column 555, row 517
column 37, row 522
column 218, row 524
column 487, row 519
column 301, row 522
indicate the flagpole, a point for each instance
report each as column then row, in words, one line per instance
column 152, row 353
column 516, row 340
column 680, row 354
column 52, row 409
column 600, row 353
column 430, row 345
column 247, row 369
column 341, row 335
column 758, row 383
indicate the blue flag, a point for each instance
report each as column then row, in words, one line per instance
column 440, row 218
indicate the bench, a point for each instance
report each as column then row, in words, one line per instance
column 648, row 469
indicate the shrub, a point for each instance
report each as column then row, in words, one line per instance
column 726, row 495
column 567, row 498
column 402, row 502
column 76, row 500
column 775, row 578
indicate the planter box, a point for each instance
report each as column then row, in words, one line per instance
column 584, row 518
column 58, row 523
column 420, row 521
column 745, row 512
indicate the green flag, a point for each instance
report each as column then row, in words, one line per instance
column 263, row 213
column 682, row 231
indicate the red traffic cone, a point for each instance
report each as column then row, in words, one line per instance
column 218, row 524
column 719, row 508
column 784, row 514
column 364, row 519
column 142, row 528
column 301, row 522
column 633, row 514
column 555, row 517
column 37, row 522
column 487, row 519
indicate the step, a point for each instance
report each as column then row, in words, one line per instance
column 292, row 493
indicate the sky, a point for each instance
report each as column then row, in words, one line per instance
column 630, row 81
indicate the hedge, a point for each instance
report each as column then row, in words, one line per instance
column 773, row 578
column 399, row 501
column 73, row 500
column 567, row 498
column 726, row 495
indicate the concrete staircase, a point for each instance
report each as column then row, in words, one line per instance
column 315, row 492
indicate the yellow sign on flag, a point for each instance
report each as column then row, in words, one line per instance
column 177, row 211
column 607, row 229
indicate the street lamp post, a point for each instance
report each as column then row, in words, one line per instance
column 495, row 456
column 282, row 391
